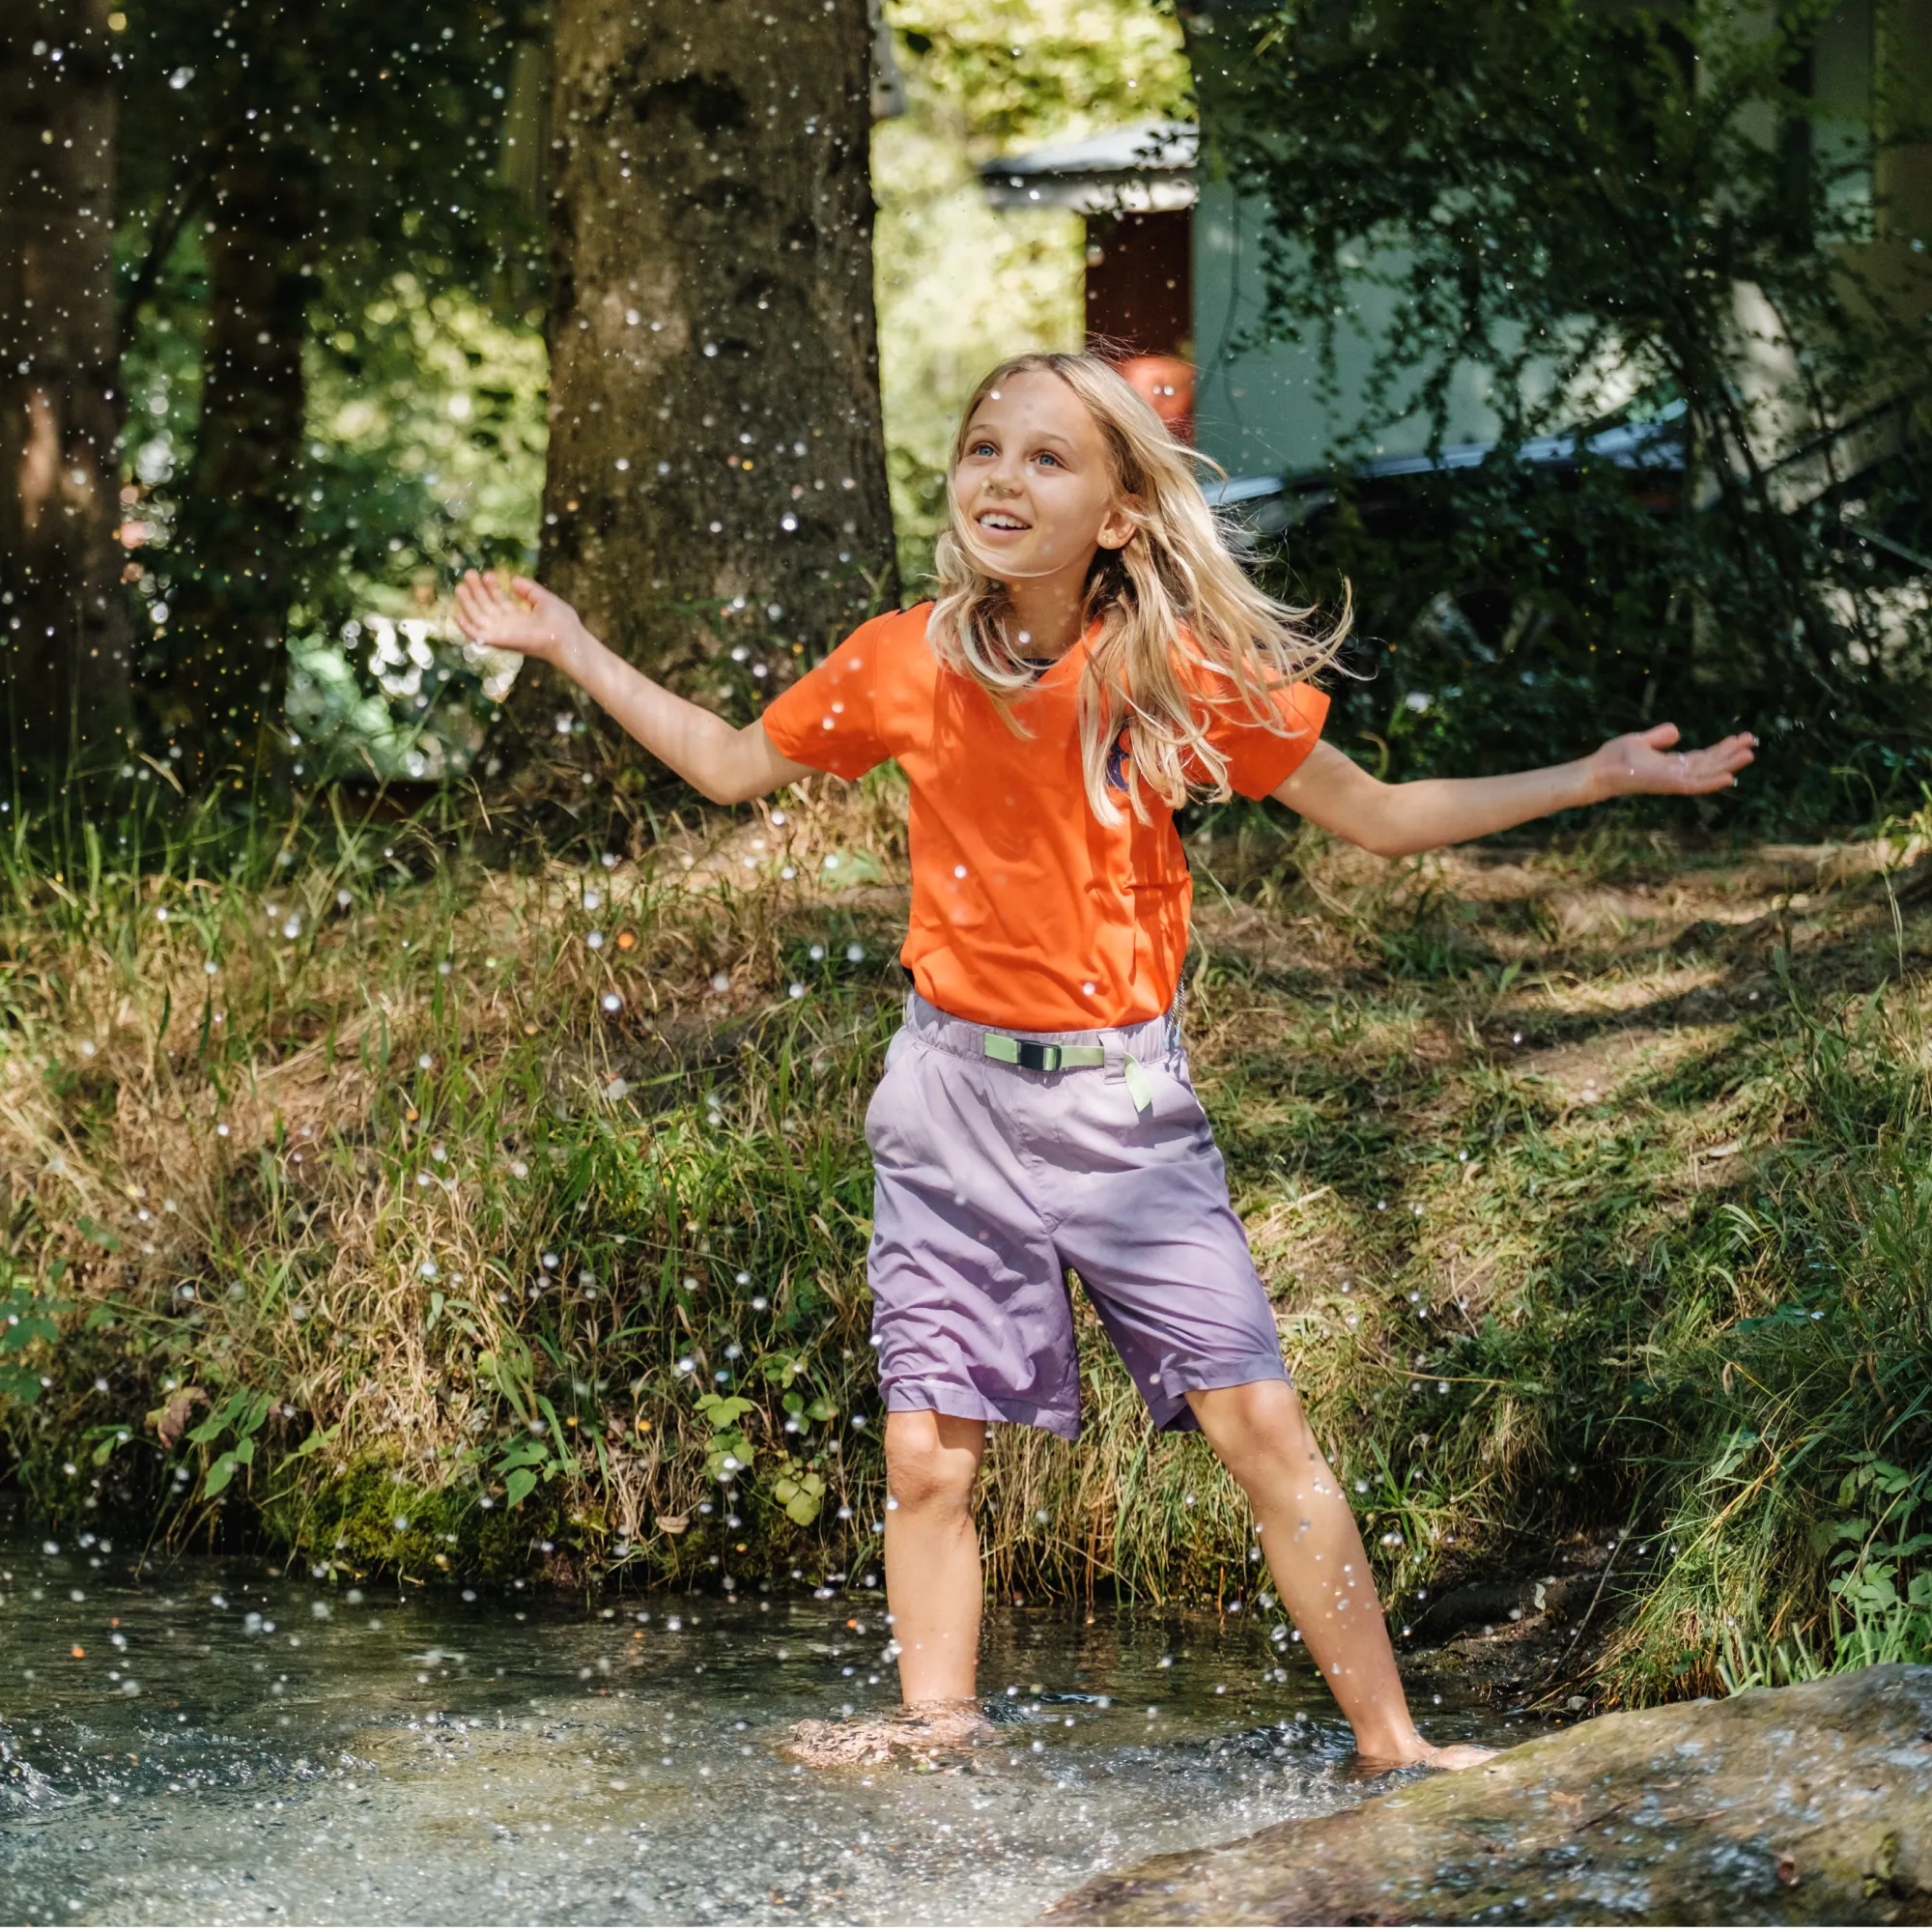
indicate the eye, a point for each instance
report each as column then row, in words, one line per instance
column 1047, row 456
column 981, row 448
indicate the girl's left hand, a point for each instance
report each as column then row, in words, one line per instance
column 1642, row 761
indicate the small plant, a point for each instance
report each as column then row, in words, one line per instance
column 729, row 1449
column 799, row 1491
column 28, row 1319
column 244, row 1412
column 530, row 1461
column 1884, row 1588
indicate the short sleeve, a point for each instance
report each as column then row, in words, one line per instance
column 830, row 719
column 1263, row 755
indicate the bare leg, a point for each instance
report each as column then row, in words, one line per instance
column 933, row 1588
column 1316, row 1556
column 933, row 1584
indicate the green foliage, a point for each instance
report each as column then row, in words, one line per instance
column 396, row 116
column 430, row 412
column 529, row 1462
column 29, row 1321
column 1014, row 72
column 1884, row 1585
column 1632, row 220
column 430, row 420
column 419, row 310
column 727, row 1449
column 242, row 1413
column 799, row 1492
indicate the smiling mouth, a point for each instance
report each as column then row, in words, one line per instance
column 1001, row 520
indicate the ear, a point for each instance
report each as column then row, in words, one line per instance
column 1117, row 529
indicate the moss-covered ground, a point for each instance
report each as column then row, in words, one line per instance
column 406, row 1212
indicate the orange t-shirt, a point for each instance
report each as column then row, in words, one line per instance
column 1027, row 911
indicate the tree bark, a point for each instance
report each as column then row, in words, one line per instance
column 241, row 524
column 63, row 612
column 716, row 464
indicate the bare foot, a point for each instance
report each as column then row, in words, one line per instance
column 1429, row 1757
column 1455, row 1757
column 914, row 1730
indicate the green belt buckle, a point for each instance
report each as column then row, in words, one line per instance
column 1038, row 1056
column 1028, row 1053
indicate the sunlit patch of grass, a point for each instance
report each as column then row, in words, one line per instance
column 1574, row 1220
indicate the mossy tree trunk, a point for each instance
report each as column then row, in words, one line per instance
column 63, row 612
column 717, row 463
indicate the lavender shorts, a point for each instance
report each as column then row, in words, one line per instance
column 992, row 1182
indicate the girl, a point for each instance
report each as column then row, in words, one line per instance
column 1094, row 655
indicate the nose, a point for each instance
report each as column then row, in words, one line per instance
column 1006, row 476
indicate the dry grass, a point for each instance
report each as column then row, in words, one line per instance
column 1527, row 1141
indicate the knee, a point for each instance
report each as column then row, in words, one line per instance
column 926, row 1475
column 1255, row 1420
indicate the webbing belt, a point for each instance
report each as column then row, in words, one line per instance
column 1040, row 1056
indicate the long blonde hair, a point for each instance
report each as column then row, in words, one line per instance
column 1174, row 596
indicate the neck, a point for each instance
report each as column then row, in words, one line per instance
column 1048, row 609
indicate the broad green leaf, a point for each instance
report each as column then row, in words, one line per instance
column 21, row 1385
column 212, row 1424
column 28, row 1329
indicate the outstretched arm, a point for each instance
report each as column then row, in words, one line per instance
column 726, row 763
column 1394, row 820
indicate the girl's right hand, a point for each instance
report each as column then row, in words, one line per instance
column 526, row 618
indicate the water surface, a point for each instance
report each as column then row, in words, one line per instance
column 199, row 1740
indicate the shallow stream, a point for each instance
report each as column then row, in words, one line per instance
column 201, row 1741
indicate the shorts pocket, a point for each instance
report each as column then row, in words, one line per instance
column 1177, row 1107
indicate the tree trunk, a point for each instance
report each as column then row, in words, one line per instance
column 63, row 612
column 241, row 521
column 716, row 464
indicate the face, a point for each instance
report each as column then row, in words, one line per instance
column 1034, row 482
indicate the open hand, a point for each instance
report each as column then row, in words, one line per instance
column 526, row 618
column 1642, row 761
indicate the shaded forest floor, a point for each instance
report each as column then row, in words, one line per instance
column 497, row 1222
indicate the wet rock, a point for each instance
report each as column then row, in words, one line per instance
column 1810, row 1805
column 1486, row 1607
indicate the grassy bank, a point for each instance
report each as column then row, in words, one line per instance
column 508, row 1220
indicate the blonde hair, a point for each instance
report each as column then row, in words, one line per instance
column 1172, row 596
